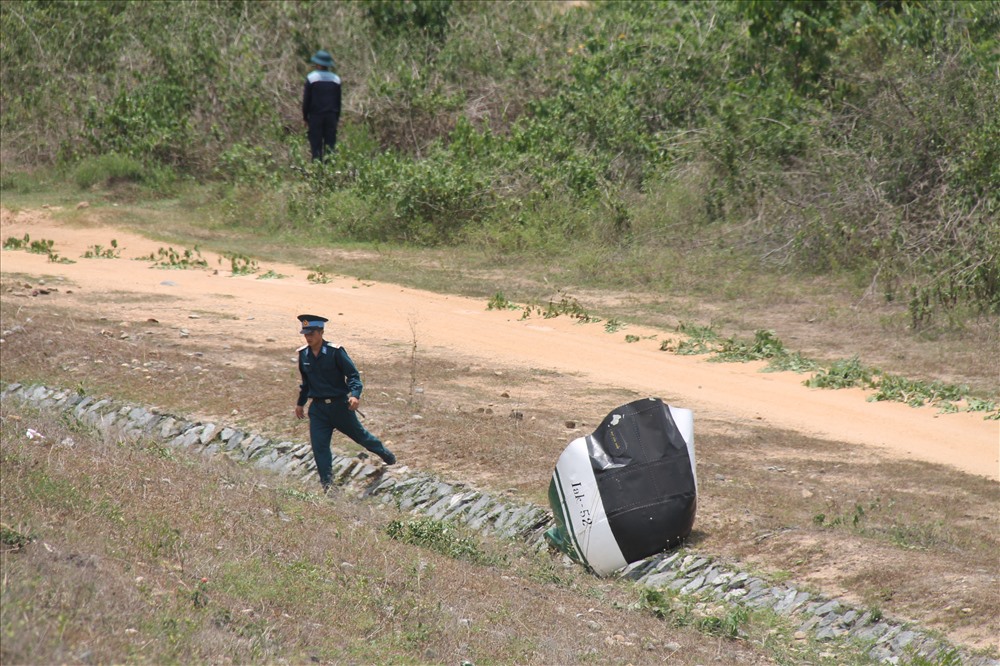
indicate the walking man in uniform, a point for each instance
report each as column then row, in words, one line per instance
column 321, row 106
column 331, row 380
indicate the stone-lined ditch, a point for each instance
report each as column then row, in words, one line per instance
column 690, row 573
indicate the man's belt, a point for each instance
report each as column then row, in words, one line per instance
column 329, row 401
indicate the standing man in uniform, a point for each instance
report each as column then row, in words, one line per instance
column 331, row 380
column 321, row 106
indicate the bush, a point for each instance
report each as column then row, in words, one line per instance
column 109, row 169
column 824, row 136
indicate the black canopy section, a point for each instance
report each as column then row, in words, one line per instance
column 645, row 477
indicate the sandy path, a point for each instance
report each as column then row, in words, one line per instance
column 374, row 318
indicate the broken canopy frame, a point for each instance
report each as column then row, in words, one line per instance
column 628, row 490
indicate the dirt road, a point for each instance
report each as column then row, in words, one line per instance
column 376, row 317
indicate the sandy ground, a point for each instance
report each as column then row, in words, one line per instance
column 375, row 318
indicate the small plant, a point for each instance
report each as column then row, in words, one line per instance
column 564, row 306
column 99, row 252
column 764, row 346
column 36, row 247
column 242, row 265
column 296, row 494
column 949, row 657
column 319, row 277
column 613, row 326
column 915, row 393
column 12, row 539
column 655, row 601
column 42, row 246
column 199, row 595
column 568, row 306
column 157, row 450
column 853, row 519
column 701, row 339
column 439, row 536
column 979, row 405
column 172, row 259
column 844, row 373
column 794, row 362
column 632, row 338
column 271, row 275
column 727, row 626
column 13, row 243
column 499, row 302
column 56, row 259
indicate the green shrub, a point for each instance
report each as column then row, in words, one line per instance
column 556, row 131
column 108, row 169
column 21, row 182
column 439, row 536
column 764, row 346
column 843, row 373
column 150, row 122
column 405, row 17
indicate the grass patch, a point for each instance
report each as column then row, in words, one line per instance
column 170, row 258
column 101, row 252
column 438, row 536
column 197, row 559
column 109, row 169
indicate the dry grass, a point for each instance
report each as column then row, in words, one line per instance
column 142, row 554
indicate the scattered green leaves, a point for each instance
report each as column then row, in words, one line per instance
column 42, row 246
column 500, row 302
column 843, row 373
column 242, row 265
column 764, row 346
column 700, row 339
column 170, row 258
column 12, row 539
column 613, row 325
column 99, row 252
column 439, row 536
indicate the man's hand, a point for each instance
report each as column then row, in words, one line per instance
column 300, row 412
column 352, row 403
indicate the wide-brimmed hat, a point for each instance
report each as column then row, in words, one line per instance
column 322, row 58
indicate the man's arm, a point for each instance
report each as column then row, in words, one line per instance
column 305, row 101
column 351, row 374
column 303, row 391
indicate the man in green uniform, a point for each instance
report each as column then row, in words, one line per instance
column 331, row 380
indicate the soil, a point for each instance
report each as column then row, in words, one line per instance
column 374, row 319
